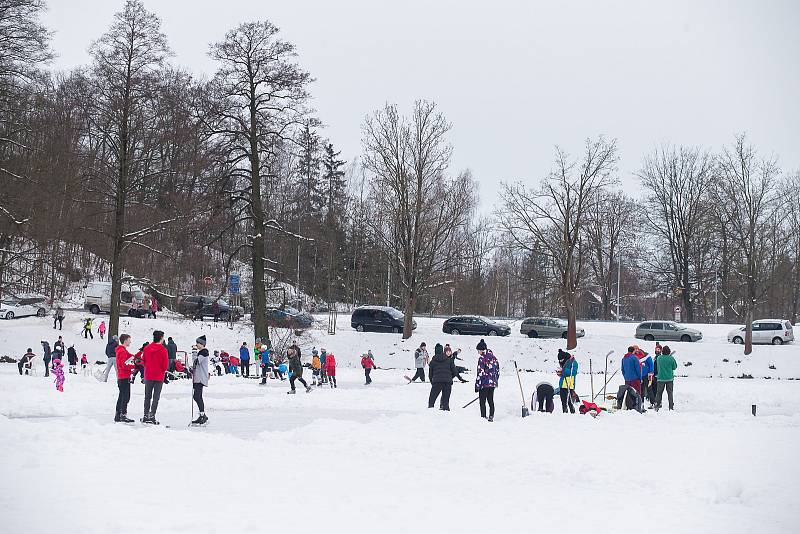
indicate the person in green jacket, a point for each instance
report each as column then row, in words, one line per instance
column 666, row 376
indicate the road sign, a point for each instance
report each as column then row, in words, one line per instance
column 208, row 280
column 233, row 284
column 677, row 314
column 677, row 309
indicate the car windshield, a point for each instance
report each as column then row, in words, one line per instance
column 291, row 311
column 485, row 319
column 395, row 314
column 561, row 322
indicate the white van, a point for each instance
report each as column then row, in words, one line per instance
column 774, row 331
column 98, row 297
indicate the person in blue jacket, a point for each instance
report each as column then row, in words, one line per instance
column 646, row 361
column 632, row 370
column 566, row 384
column 244, row 360
column 266, row 364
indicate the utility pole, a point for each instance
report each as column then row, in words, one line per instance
column 388, row 281
column 619, row 281
column 716, row 297
column 452, row 299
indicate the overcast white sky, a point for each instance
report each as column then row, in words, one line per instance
column 516, row 78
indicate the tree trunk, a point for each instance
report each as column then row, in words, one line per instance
column 572, row 317
column 259, row 315
column 117, row 267
column 411, row 303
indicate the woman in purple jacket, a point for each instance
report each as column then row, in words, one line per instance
column 487, row 378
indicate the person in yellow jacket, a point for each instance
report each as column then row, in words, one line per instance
column 316, row 366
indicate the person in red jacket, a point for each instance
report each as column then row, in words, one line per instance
column 330, row 369
column 124, row 367
column 368, row 363
column 156, row 363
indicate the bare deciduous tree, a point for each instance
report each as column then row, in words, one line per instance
column 745, row 190
column 422, row 208
column 554, row 215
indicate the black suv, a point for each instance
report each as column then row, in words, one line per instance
column 379, row 319
column 474, row 324
column 201, row 306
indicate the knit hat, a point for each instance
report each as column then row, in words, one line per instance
column 314, row 351
column 438, row 350
column 216, row 353
column 481, row 345
column 201, row 340
column 562, row 355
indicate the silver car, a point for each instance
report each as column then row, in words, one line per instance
column 547, row 327
column 666, row 331
column 774, row 331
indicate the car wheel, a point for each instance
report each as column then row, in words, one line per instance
column 95, row 309
column 564, row 335
column 533, row 333
column 649, row 337
column 738, row 341
column 777, row 341
column 454, row 331
column 686, row 338
column 10, row 315
column 41, row 312
column 360, row 328
column 492, row 332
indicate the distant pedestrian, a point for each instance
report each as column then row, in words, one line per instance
column 449, row 353
column 296, row 370
column 646, row 363
column 102, row 329
column 200, row 378
column 487, row 378
column 420, row 361
column 316, row 379
column 58, row 349
column 266, row 364
column 156, row 363
column 666, row 376
column 442, row 370
column 153, row 306
column 72, row 358
column 632, row 370
column 215, row 310
column 111, row 348
column 244, row 360
column 58, row 317
column 330, row 368
column 124, row 365
column 368, row 364
column 84, row 362
column 87, row 328
column 323, row 371
column 46, row 356
column 172, row 352
column 24, row 364
column 58, row 371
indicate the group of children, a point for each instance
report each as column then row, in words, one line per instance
column 645, row 378
column 54, row 361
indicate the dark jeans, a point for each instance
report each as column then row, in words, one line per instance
column 124, row 396
column 420, row 374
column 59, row 321
column 198, row 397
column 87, row 333
column 486, row 395
column 544, row 397
column 661, row 387
column 440, row 387
column 47, row 367
column 21, row 364
column 566, row 400
column 152, row 392
column 245, row 367
column 635, row 384
column 366, row 376
column 299, row 379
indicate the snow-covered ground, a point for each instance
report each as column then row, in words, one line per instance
column 365, row 459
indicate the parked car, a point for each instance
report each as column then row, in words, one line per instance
column 547, row 327
column 379, row 319
column 774, row 331
column 203, row 306
column 666, row 331
column 288, row 317
column 98, row 298
column 474, row 324
column 24, row 306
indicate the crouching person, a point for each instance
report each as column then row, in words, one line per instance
column 628, row 396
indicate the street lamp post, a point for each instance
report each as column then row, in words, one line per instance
column 452, row 300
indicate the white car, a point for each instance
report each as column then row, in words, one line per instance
column 774, row 331
column 11, row 307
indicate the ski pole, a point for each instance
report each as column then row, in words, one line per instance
column 606, row 383
column 525, row 412
column 470, row 402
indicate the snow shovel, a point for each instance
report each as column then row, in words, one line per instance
column 525, row 412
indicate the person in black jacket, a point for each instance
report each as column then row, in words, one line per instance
column 72, row 358
column 441, row 371
column 46, row 357
column 172, row 353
